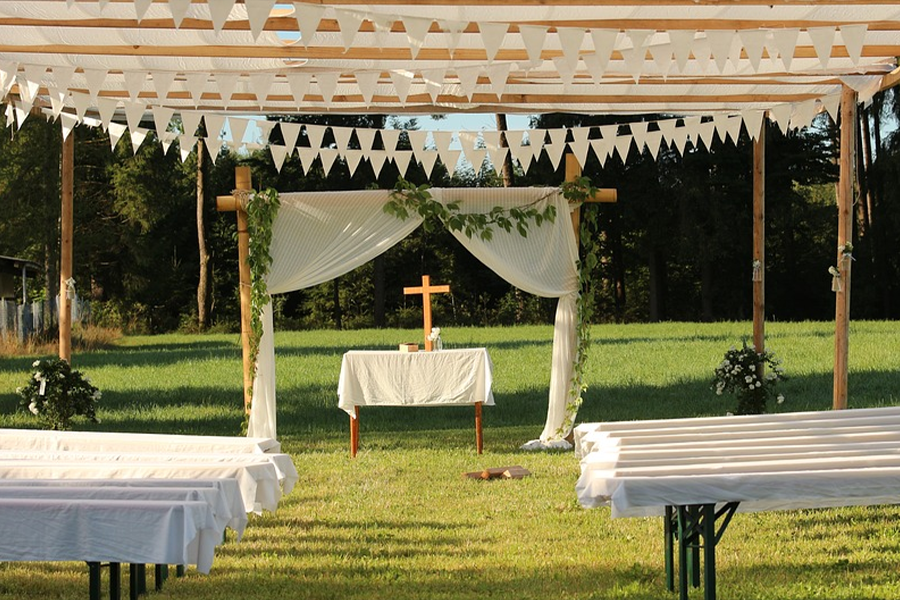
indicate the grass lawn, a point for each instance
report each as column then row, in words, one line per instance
column 399, row 522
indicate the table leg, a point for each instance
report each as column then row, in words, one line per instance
column 115, row 581
column 160, row 574
column 682, row 553
column 354, row 432
column 709, row 551
column 94, row 586
column 669, row 529
column 479, row 437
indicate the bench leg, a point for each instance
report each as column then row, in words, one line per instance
column 94, row 586
column 160, row 574
column 179, row 570
column 669, row 527
column 115, row 581
column 682, row 553
column 709, row 551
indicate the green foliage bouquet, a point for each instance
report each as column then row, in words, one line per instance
column 741, row 373
column 55, row 394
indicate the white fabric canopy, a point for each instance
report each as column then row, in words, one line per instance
column 321, row 235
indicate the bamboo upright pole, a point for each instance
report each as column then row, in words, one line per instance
column 573, row 172
column 759, row 242
column 67, row 166
column 845, row 236
column 242, row 183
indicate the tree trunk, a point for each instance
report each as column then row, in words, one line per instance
column 864, row 169
column 507, row 172
column 706, row 294
column 657, row 285
column 618, row 264
column 203, row 282
column 379, row 292
column 337, row 314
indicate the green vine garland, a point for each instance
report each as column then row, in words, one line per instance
column 261, row 208
column 577, row 191
column 407, row 198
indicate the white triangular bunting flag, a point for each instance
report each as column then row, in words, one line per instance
column 639, row 132
column 514, row 137
column 106, row 107
column 854, row 37
column 62, row 78
column 376, row 159
column 190, row 121
column 307, row 157
column 609, row 132
column 389, row 139
column 195, row 83
column 402, row 80
column 289, row 133
column 803, row 113
column 213, row 146
column 8, row 72
column 592, row 63
column 680, row 137
column 753, row 120
column 166, row 141
column 604, row 43
column 623, row 146
column 416, row 30
column 720, row 121
column 570, row 38
column 327, row 156
column 832, row 104
column 667, row 127
column 566, row 75
column 428, row 158
column 754, row 41
column 162, row 83
column 638, row 37
column 580, row 147
column 258, row 12
column 702, row 53
column 279, row 153
column 308, row 17
column 383, row 25
column 116, row 131
column 367, row 82
column 450, row 158
column 327, row 85
column 442, row 140
column 185, row 145
column 214, row 126
column 416, row 140
column 56, row 103
column 140, row 8
column 476, row 158
column 634, row 61
column 238, row 128
column 67, row 123
column 468, row 79
column 402, row 159
column 366, row 137
column 498, row 157
column 95, row 79
column 226, row 82
column 31, row 81
column 601, row 149
column 786, row 42
column 260, row 84
column 342, row 137
column 720, row 41
column 533, row 37
column 468, row 140
column 662, row 57
column 492, row 35
column 453, row 31
column 134, row 112
column 137, row 139
column 523, row 154
column 733, row 128
column 491, row 139
column 352, row 157
column 692, row 126
column 315, row 134
column 218, row 13
column 349, row 22
column 706, row 132
column 161, row 117
column 554, row 153
column 299, row 84
column 823, row 40
column 653, row 142
column 682, row 41
column 134, row 83
column 558, row 136
column 498, row 74
column 179, row 9
column 781, row 114
column 434, row 82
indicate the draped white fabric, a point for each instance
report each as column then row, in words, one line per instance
column 542, row 263
column 321, row 235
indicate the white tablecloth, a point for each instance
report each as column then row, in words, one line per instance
column 127, row 531
column 782, row 466
column 393, row 378
column 101, row 441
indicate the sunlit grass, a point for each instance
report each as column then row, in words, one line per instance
column 400, row 522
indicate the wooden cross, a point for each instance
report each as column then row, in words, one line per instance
column 427, row 290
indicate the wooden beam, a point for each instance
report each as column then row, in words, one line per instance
column 759, row 241
column 67, row 166
column 845, row 236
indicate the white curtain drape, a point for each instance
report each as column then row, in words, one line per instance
column 318, row 236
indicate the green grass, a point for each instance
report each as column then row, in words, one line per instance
column 399, row 522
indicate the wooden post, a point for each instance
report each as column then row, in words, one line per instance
column 67, row 165
column 759, row 242
column 479, row 431
column 609, row 196
column 242, row 183
column 354, row 432
column 845, row 236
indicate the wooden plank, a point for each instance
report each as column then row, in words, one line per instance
column 759, row 240
column 845, row 236
column 65, row 241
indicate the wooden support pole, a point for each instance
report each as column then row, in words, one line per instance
column 67, row 165
column 845, row 236
column 242, row 183
column 608, row 196
column 479, row 431
column 759, row 242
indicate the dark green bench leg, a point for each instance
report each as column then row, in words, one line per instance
column 133, row 592
column 142, row 578
column 161, row 573
column 115, row 581
column 709, row 551
column 669, row 527
column 695, row 546
column 94, row 586
column 682, row 553
column 179, row 570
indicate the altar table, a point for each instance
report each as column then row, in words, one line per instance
column 697, row 472
column 393, row 378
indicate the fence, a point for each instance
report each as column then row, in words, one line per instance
column 25, row 320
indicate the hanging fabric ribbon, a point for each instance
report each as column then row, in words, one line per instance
column 757, row 270
column 70, row 288
column 835, row 279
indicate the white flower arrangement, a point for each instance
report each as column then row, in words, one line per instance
column 739, row 373
column 55, row 393
column 435, row 334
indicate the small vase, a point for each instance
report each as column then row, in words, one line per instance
column 438, row 344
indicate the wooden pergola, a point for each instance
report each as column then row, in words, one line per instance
column 121, row 60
